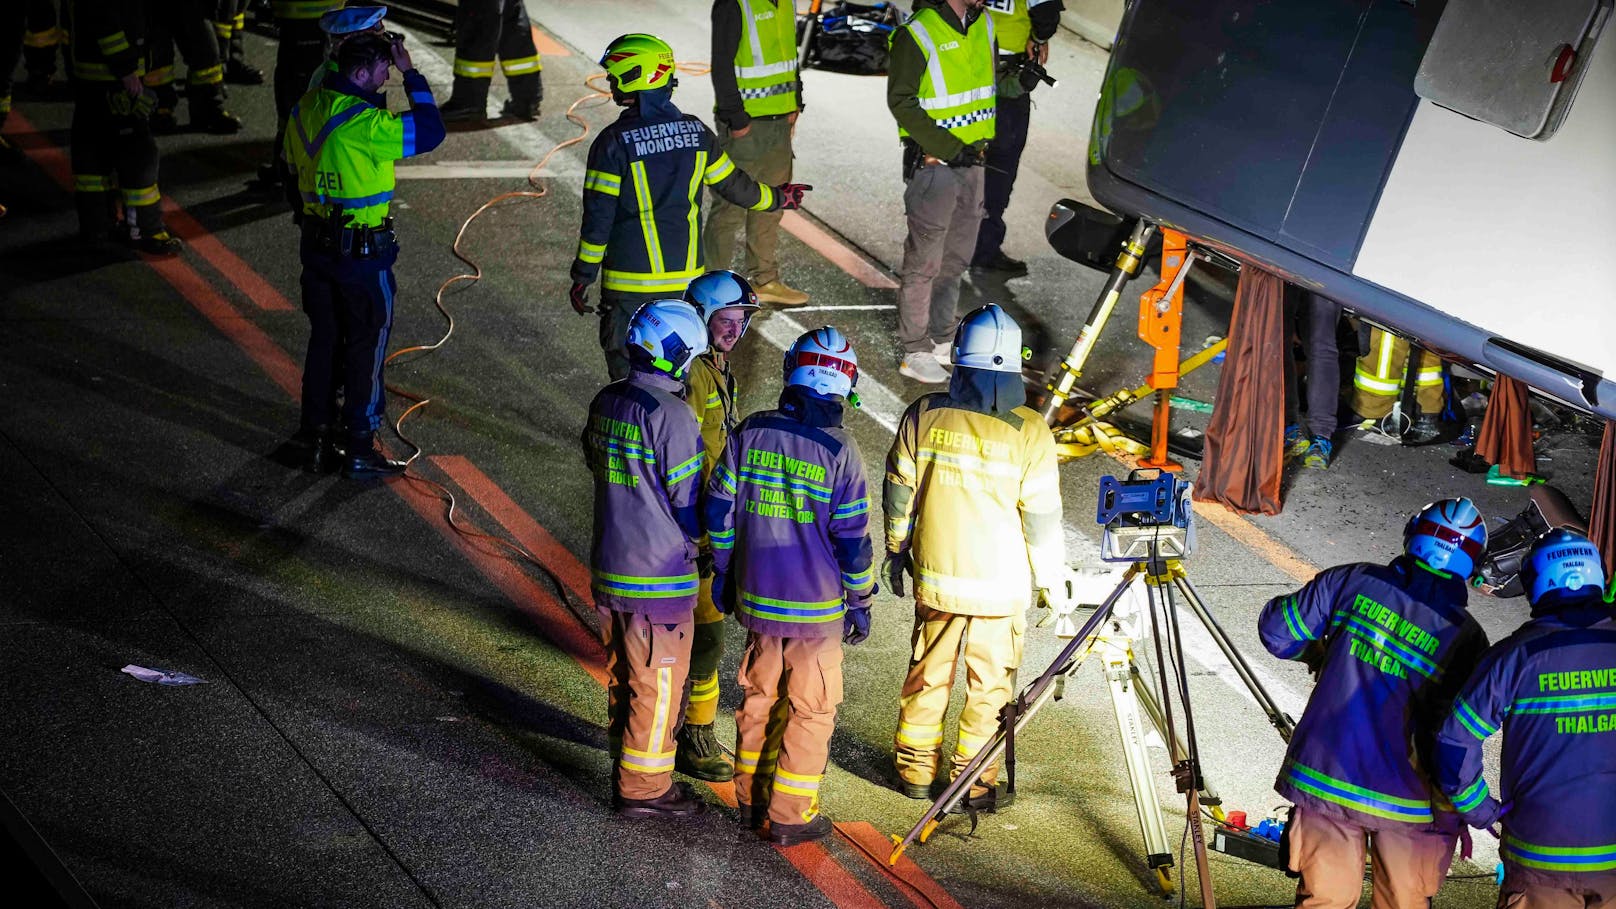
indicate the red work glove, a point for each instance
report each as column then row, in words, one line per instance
column 791, row 195
column 579, row 297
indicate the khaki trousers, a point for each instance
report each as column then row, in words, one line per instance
column 991, row 646
column 1406, row 866
column 943, row 206
column 1521, row 891
column 1378, row 380
column 647, row 664
column 792, row 687
column 706, row 650
column 765, row 154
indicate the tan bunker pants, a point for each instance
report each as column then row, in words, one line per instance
column 792, row 687
column 1407, row 866
column 647, row 666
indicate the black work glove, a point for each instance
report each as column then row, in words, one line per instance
column 579, row 298
column 894, row 568
column 704, row 564
column 723, row 594
column 791, row 195
column 856, row 625
column 973, row 155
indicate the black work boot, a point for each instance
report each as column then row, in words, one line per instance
column 526, row 93
column 209, row 116
column 793, row 834
column 468, row 101
column 990, row 801
column 751, row 816
column 147, row 233
column 700, row 755
column 363, row 462
column 240, row 72
column 679, row 801
column 315, row 449
column 1003, row 264
column 1427, row 427
column 915, row 790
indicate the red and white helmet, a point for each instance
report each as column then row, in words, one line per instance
column 823, row 362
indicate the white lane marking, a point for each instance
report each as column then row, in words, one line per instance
column 455, row 170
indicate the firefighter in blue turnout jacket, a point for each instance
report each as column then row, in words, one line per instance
column 341, row 141
column 1551, row 688
column 643, row 447
column 1391, row 644
column 788, row 514
column 642, row 193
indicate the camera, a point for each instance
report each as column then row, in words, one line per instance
column 1148, row 515
column 1033, row 73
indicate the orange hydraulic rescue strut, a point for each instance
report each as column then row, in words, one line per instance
column 1161, row 318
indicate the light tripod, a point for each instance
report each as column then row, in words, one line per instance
column 1106, row 631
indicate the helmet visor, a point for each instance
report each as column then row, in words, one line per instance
column 1454, row 538
column 825, row 361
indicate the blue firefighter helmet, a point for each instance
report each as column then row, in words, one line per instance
column 667, row 334
column 823, row 362
column 721, row 289
column 1562, row 561
column 988, row 339
column 1448, row 535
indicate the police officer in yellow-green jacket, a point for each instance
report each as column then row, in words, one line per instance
column 757, row 95
column 973, row 515
column 940, row 90
column 342, row 141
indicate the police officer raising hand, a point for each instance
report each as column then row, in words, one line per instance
column 401, row 56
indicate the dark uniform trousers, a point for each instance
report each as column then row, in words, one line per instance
column 301, row 52
column 112, row 147
column 485, row 29
column 616, row 308
column 229, row 21
column 349, row 302
column 1003, row 162
column 185, row 24
column 29, row 29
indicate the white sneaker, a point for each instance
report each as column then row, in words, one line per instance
column 923, row 367
column 943, row 352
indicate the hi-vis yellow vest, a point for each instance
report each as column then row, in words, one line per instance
column 1014, row 26
column 957, row 89
column 766, row 60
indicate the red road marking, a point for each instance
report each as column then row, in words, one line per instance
column 823, row 871
column 275, row 363
column 865, row 834
column 557, row 624
column 488, row 494
column 280, row 367
column 229, row 265
column 547, row 45
column 837, row 252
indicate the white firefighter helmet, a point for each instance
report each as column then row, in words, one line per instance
column 668, row 334
column 822, row 361
column 988, row 339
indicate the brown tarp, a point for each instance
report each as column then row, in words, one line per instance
column 1602, row 517
column 1245, row 455
column 1505, row 437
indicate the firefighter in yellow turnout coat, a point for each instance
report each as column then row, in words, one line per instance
column 973, row 514
column 726, row 302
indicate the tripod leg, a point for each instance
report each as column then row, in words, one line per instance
column 1174, row 742
column 1279, row 718
column 1123, row 682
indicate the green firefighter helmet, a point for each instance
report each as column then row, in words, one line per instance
column 638, row 62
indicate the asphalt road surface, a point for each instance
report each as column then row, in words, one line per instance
column 396, row 713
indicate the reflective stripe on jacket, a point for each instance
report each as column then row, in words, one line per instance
column 957, row 88
column 712, row 399
column 1551, row 689
column 343, row 146
column 642, row 200
column 975, row 499
column 1397, row 643
column 642, row 446
column 108, row 39
column 766, row 58
column 788, row 513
